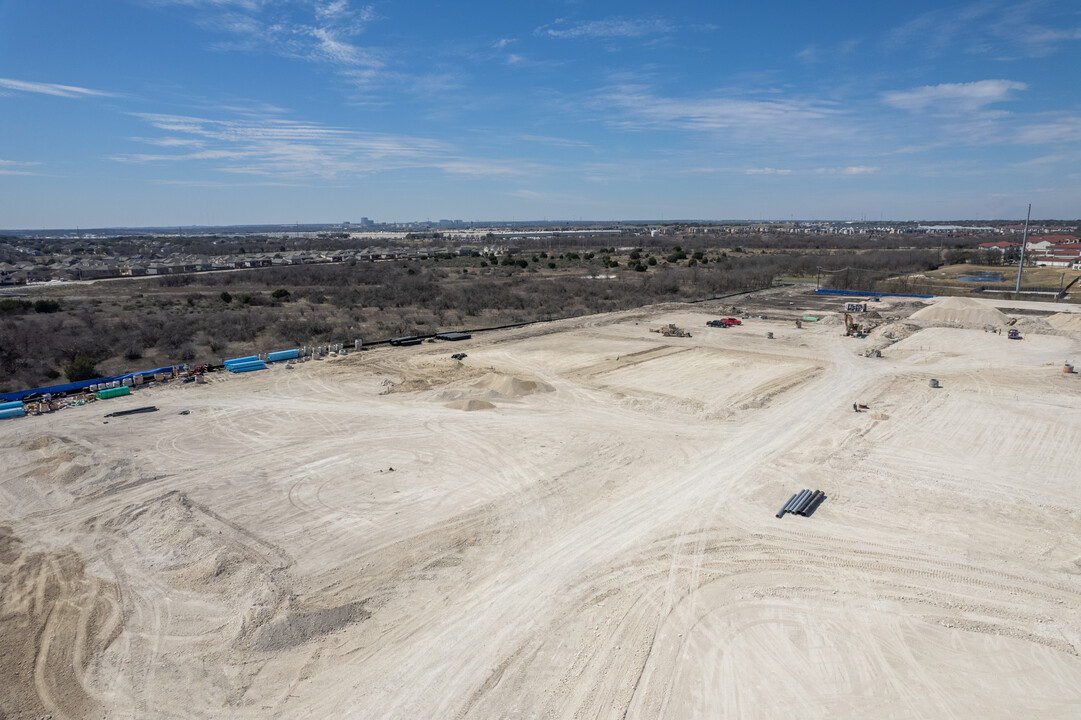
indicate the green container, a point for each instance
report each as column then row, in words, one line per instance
column 809, row 318
column 114, row 392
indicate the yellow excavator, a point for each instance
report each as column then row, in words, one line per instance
column 852, row 328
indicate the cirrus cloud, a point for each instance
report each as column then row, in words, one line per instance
column 966, row 97
column 65, row 91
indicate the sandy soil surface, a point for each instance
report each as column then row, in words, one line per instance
column 576, row 521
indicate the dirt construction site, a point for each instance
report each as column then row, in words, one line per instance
column 577, row 520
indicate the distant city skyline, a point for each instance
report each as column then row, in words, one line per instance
column 158, row 113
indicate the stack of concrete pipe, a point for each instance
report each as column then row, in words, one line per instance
column 802, row 503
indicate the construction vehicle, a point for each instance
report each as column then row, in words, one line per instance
column 852, row 328
column 799, row 324
column 670, row 330
column 1014, row 334
column 1062, row 292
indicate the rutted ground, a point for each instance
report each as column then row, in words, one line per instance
column 598, row 540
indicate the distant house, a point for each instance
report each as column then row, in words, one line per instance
column 1065, row 255
column 1049, row 241
column 1001, row 246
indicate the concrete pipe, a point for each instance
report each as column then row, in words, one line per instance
column 814, row 504
column 810, row 502
column 802, row 504
column 783, row 510
column 803, row 495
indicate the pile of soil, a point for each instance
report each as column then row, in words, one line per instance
column 959, row 312
column 470, row 405
column 1038, row 326
column 1066, row 322
column 511, row 387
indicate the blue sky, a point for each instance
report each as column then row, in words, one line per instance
column 185, row 112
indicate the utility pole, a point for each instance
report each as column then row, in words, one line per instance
column 1024, row 242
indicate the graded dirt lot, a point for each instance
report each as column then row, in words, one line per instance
column 576, row 521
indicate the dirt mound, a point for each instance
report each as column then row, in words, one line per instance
column 39, row 443
column 297, row 627
column 898, row 330
column 470, row 405
column 54, row 622
column 509, row 386
column 1066, row 322
column 188, row 547
column 959, row 312
column 1037, row 326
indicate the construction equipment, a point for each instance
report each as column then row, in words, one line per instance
column 852, row 328
column 1062, row 292
column 670, row 330
column 1014, row 334
column 799, row 324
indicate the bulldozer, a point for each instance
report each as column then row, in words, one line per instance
column 671, row 330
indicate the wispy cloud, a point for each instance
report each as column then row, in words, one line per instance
column 218, row 185
column 314, row 30
column 284, row 148
column 767, row 171
column 753, row 120
column 65, row 91
column 556, row 141
column 990, row 27
column 953, row 97
column 1066, row 130
column 617, row 27
column 849, row 170
column 170, row 141
column 15, row 167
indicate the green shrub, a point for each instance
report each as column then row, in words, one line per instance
column 46, row 306
column 80, row 368
column 11, row 305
